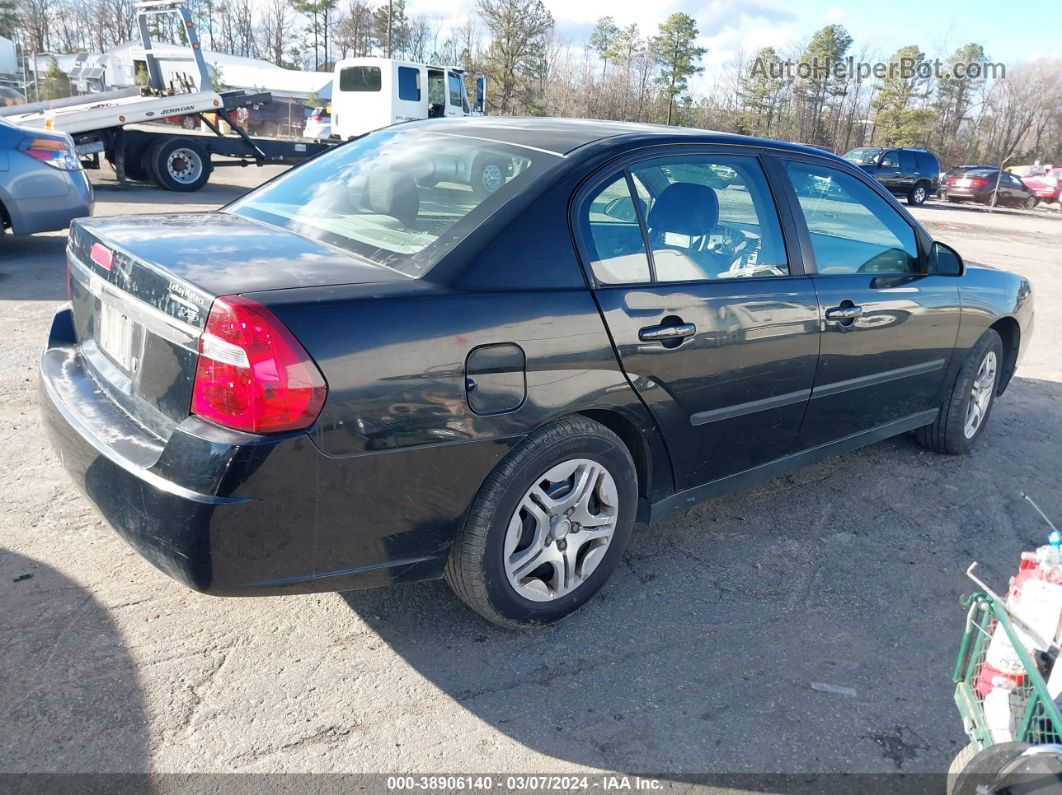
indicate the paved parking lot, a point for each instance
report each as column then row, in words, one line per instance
column 697, row 657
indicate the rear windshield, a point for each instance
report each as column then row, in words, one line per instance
column 979, row 172
column 359, row 78
column 398, row 198
column 864, row 156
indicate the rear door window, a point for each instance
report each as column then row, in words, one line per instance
column 711, row 217
column 907, row 161
column 618, row 255
column 852, row 229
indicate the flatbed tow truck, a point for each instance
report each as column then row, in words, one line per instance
column 111, row 123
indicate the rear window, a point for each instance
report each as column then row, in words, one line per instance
column 926, row 162
column 400, row 198
column 980, row 172
column 359, row 78
column 864, row 157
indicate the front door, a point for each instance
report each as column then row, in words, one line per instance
column 713, row 329
column 889, row 328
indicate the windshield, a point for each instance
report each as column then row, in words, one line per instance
column 865, row 157
column 398, row 198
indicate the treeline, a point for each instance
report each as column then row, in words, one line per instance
column 806, row 91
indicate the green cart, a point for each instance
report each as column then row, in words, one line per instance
column 1036, row 718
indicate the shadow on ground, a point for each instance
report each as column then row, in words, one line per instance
column 699, row 657
column 70, row 698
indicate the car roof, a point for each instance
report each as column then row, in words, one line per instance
column 564, row 136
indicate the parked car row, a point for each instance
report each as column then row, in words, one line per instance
column 988, row 185
column 910, row 173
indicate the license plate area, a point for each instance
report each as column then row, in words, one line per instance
column 114, row 336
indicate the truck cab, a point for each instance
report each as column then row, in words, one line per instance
column 370, row 93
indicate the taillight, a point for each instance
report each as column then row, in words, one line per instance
column 253, row 375
column 952, row 180
column 977, row 183
column 56, row 152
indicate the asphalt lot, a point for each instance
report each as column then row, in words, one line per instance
column 697, row 657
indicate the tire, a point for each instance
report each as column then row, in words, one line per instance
column 951, row 431
column 953, row 200
column 979, row 771
column 918, row 194
column 484, row 564
column 269, row 129
column 179, row 164
column 958, row 764
column 1031, row 202
column 488, row 175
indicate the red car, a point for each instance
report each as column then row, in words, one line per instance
column 1047, row 186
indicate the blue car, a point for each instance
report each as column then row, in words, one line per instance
column 42, row 184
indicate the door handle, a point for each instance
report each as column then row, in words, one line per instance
column 844, row 312
column 665, row 333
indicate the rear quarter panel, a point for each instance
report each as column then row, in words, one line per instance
column 988, row 295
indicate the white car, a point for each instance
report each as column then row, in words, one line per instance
column 318, row 125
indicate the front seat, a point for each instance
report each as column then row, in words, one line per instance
column 690, row 210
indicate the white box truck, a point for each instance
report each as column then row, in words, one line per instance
column 371, row 93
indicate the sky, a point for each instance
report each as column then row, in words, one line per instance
column 1011, row 32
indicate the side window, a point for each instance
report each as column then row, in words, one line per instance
column 890, row 160
column 408, row 84
column 853, row 230
column 711, row 217
column 612, row 220
column 455, row 90
column 926, row 163
column 907, row 161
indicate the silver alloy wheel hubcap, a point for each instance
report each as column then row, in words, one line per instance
column 492, row 178
column 560, row 530
column 184, row 165
column 920, row 195
column 980, row 395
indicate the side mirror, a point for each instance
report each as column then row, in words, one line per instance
column 480, row 105
column 945, row 261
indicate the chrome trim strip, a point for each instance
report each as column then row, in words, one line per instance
column 97, row 284
column 837, row 387
column 741, row 409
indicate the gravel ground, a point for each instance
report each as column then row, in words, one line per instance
column 698, row 657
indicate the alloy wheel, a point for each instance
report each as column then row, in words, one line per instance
column 184, row 165
column 984, row 386
column 492, row 177
column 919, row 194
column 560, row 530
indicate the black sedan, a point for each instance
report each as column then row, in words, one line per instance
column 986, row 185
column 369, row 371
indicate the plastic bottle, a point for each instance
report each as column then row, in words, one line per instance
column 997, row 710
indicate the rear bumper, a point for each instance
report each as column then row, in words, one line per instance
column 226, row 513
column 50, row 202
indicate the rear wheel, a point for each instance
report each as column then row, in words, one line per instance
column 548, row 527
column 179, row 165
column 918, row 195
column 1031, row 202
column 965, row 411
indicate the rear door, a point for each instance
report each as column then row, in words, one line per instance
column 889, row 328
column 713, row 320
column 909, row 171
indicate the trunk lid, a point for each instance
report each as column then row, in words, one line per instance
column 141, row 289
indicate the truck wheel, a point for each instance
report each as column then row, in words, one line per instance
column 179, row 164
column 918, row 195
column 965, row 411
column 488, row 174
column 548, row 526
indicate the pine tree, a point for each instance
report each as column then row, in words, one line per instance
column 678, row 56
